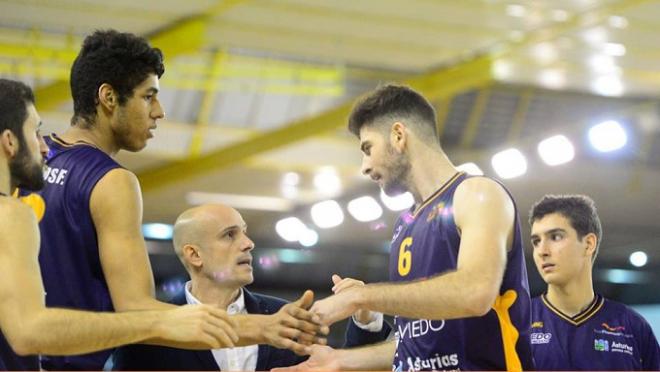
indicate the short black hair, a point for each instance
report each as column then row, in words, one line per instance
column 120, row 59
column 580, row 210
column 394, row 102
column 14, row 99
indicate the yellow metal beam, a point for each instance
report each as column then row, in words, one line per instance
column 436, row 85
column 184, row 36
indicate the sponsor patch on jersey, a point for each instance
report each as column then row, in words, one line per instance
column 537, row 325
column 601, row 345
column 541, row 338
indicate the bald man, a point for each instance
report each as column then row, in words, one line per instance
column 212, row 243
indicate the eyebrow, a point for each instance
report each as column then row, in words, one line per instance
column 232, row 227
column 548, row 232
column 152, row 90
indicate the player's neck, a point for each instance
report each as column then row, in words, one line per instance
column 430, row 170
column 211, row 293
column 572, row 298
column 5, row 179
column 97, row 135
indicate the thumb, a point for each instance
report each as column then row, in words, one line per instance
column 306, row 300
column 336, row 279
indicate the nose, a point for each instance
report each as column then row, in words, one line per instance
column 248, row 244
column 43, row 147
column 542, row 249
column 157, row 111
column 366, row 166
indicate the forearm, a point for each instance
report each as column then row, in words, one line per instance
column 65, row 332
column 143, row 303
column 447, row 296
column 374, row 358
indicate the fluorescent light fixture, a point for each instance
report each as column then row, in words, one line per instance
column 160, row 231
column 516, row 10
column 262, row 203
column 309, row 238
column 595, row 36
column 617, row 22
column 559, row 15
column 290, row 229
column 608, row 86
column 638, row 259
column 399, row 202
column 365, row 209
column 509, row 163
column 620, row 276
column 291, row 179
column 327, row 214
column 554, row 79
column 614, row 49
column 471, row 169
column 502, row 69
column 604, row 64
column 556, row 150
column 545, row 52
column 327, row 181
column 607, row 136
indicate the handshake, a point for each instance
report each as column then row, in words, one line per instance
column 296, row 326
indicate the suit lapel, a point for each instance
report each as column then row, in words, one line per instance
column 205, row 357
column 253, row 305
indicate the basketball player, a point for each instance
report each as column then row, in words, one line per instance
column 93, row 255
column 572, row 327
column 458, row 289
column 29, row 327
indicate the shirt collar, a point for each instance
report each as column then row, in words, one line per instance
column 236, row 307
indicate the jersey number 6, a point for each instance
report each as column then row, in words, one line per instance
column 405, row 256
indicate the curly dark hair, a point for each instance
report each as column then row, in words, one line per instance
column 120, row 59
column 395, row 102
column 14, row 99
column 580, row 210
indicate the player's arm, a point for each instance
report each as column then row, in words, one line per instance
column 485, row 216
column 116, row 209
column 31, row 328
column 370, row 358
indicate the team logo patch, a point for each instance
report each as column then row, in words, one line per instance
column 541, row 338
column 613, row 329
column 601, row 345
column 537, row 325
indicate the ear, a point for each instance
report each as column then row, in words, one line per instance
column 592, row 242
column 9, row 143
column 107, row 97
column 192, row 255
column 398, row 136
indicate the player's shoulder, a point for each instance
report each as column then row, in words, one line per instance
column 625, row 311
column 481, row 185
column 16, row 216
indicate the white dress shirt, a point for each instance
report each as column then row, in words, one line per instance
column 237, row 358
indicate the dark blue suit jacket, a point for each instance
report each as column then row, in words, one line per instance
column 147, row 357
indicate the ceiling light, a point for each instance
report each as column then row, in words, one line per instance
column 545, row 52
column 327, row 214
column 607, row 136
column 559, row 15
column 614, row 49
column 399, row 202
column 309, row 238
column 160, row 231
column 554, row 79
column 556, row 150
column 471, row 169
column 502, row 69
column 365, row 209
column 327, row 181
column 638, row 259
column 595, row 36
column 604, row 64
column 291, row 179
column 617, row 22
column 516, row 10
column 290, row 229
column 509, row 163
column 608, row 85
